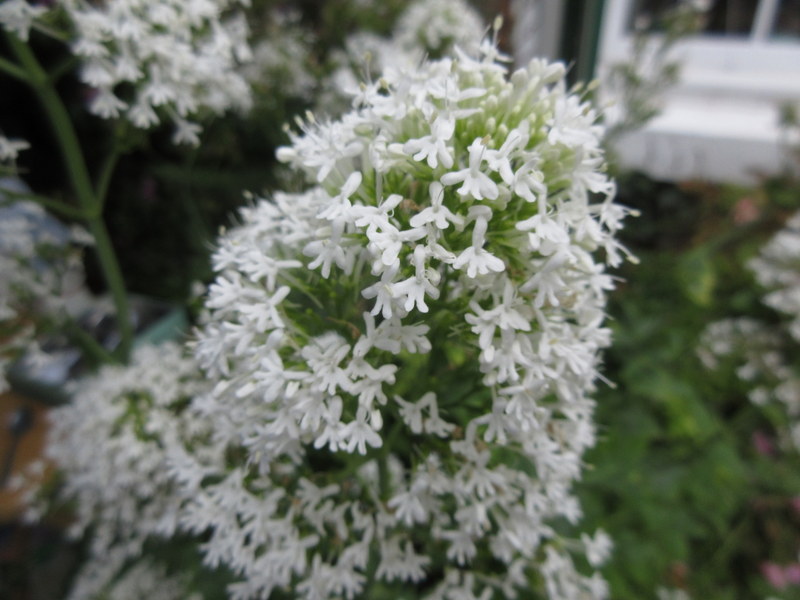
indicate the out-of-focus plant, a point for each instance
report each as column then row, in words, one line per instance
column 789, row 118
column 691, row 481
column 42, row 285
column 761, row 355
column 422, row 30
column 143, row 63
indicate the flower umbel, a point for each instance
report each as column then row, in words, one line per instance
column 405, row 353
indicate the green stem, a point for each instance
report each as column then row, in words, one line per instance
column 101, row 190
column 81, row 184
column 383, row 476
column 113, row 276
column 90, row 346
column 384, row 483
column 62, row 68
column 50, row 32
column 9, row 68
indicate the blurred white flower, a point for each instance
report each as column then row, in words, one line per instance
column 777, row 268
column 119, row 445
column 17, row 16
column 426, row 29
column 41, row 275
column 10, row 148
column 438, row 26
column 154, row 60
column 763, row 352
column 282, row 58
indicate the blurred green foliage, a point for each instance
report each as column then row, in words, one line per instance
column 676, row 478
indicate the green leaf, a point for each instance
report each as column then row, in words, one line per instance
column 697, row 276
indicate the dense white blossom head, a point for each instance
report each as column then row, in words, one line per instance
column 404, row 353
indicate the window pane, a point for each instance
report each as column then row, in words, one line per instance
column 722, row 17
column 787, row 23
column 731, row 17
column 649, row 15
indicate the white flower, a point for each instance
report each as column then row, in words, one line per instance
column 10, row 148
column 403, row 564
column 440, row 25
column 17, row 16
column 178, row 58
column 476, row 184
column 433, row 147
column 42, row 279
column 114, row 444
column 437, row 213
column 760, row 349
column 422, row 311
column 776, row 268
column 598, row 548
column 475, row 258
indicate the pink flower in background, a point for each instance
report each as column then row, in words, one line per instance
column 792, row 573
column 745, row 211
column 774, row 574
column 795, row 503
column 763, row 444
column 781, row 576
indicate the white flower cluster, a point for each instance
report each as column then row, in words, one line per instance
column 436, row 27
column 281, row 59
column 427, row 28
column 147, row 580
column 177, row 57
column 404, row 353
column 664, row 593
column 41, row 275
column 777, row 268
column 764, row 351
column 18, row 16
column 116, row 444
column 759, row 352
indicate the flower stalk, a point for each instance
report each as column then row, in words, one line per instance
column 90, row 202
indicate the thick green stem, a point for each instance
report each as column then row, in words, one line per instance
column 10, row 68
column 78, row 173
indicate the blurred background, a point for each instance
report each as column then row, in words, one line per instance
column 696, row 475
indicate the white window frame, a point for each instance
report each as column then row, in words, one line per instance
column 721, row 122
